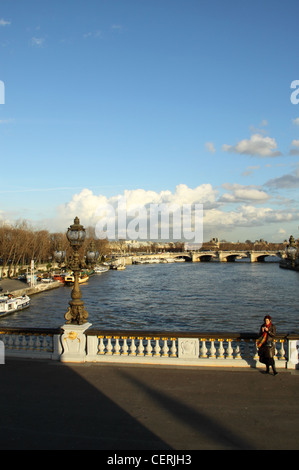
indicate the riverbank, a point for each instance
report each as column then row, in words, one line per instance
column 16, row 287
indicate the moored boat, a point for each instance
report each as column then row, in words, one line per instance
column 10, row 304
column 101, row 269
column 60, row 277
column 120, row 267
column 70, row 279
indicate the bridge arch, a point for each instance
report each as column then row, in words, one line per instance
column 204, row 256
column 261, row 257
column 230, row 256
column 184, row 256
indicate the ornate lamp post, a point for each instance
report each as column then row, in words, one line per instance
column 76, row 313
column 73, row 340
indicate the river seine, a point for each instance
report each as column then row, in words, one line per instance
column 203, row 297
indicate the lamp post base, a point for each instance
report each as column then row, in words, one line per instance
column 73, row 342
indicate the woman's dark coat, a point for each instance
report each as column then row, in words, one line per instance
column 267, row 350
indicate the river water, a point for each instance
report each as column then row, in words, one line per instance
column 203, row 297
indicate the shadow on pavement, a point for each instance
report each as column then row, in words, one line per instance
column 204, row 431
column 51, row 407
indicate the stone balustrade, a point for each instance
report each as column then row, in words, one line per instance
column 72, row 343
column 39, row 343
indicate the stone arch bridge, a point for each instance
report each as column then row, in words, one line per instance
column 221, row 256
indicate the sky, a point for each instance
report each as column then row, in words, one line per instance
column 158, row 101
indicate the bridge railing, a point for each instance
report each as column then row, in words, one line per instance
column 39, row 343
column 75, row 344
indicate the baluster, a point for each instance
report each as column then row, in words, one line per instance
column 133, row 347
column 281, row 354
column 221, row 349
column 229, row 349
column 238, row 350
column 101, row 348
column 203, row 349
column 37, row 342
column 125, row 346
column 117, row 346
column 10, row 342
column 148, row 347
column 173, row 348
column 17, row 342
column 157, row 347
column 140, row 346
column 24, row 342
column 49, row 342
column 212, row 349
column 109, row 346
column 31, row 341
column 44, row 342
column 255, row 352
column 165, row 348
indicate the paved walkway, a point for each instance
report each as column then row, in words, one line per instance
column 49, row 405
column 12, row 284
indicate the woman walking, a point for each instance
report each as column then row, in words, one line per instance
column 265, row 344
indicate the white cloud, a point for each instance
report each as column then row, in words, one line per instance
column 246, row 216
column 220, row 216
column 4, row 22
column 92, row 34
column 295, row 151
column 38, row 42
column 296, row 121
column 250, row 169
column 210, row 147
column 239, row 193
column 257, row 145
column 116, row 27
column 6, row 121
column 85, row 204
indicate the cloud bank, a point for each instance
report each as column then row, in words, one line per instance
column 237, row 207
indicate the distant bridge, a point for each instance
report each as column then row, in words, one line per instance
column 221, row 256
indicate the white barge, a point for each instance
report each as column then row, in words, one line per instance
column 10, row 304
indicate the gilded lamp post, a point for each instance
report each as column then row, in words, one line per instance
column 76, row 313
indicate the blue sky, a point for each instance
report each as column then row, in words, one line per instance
column 146, row 97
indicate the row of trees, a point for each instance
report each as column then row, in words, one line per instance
column 19, row 244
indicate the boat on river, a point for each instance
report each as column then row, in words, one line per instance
column 100, row 269
column 120, row 267
column 60, row 277
column 70, row 279
column 10, row 304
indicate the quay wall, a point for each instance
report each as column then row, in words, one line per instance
column 17, row 288
column 41, row 287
